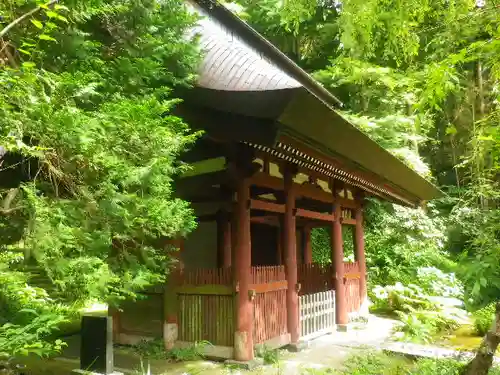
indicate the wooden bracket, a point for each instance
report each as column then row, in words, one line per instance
column 298, row 286
column 251, row 294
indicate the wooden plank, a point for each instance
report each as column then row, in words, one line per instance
column 352, row 275
column 315, row 215
column 269, row 287
column 221, row 290
column 349, row 221
column 264, row 180
column 301, row 190
column 256, row 204
column 267, row 220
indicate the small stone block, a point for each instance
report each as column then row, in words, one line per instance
column 96, row 350
column 245, row 365
column 343, row 328
column 297, row 347
column 85, row 372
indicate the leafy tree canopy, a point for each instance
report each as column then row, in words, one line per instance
column 89, row 147
column 420, row 78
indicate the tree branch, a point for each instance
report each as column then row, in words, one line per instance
column 11, row 195
column 7, row 28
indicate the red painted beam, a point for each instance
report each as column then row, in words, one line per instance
column 301, row 190
column 315, row 215
column 256, row 204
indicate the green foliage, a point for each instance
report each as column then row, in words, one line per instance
column 483, row 319
column 400, row 298
column 420, row 78
column 370, row 363
column 321, row 245
column 155, row 349
column 413, row 329
column 399, row 241
column 421, row 326
column 437, row 367
column 191, row 353
column 31, row 338
column 421, row 316
column 85, row 106
column 151, row 349
column 379, row 363
column 435, row 282
column 270, row 356
column 481, row 252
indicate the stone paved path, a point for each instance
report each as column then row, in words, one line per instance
column 328, row 351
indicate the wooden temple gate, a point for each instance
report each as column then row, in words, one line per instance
column 205, row 306
column 206, row 299
column 317, row 296
column 276, row 154
column 269, row 288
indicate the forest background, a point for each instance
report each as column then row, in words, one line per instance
column 80, row 87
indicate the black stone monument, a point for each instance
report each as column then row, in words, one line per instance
column 96, row 352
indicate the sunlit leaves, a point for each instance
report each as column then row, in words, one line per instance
column 89, row 105
column 37, row 23
column 46, row 37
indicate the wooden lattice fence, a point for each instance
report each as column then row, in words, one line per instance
column 205, row 301
column 317, row 314
column 270, row 286
column 352, row 278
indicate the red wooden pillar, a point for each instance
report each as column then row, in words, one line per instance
column 359, row 250
column 338, row 264
column 243, row 339
column 290, row 247
column 307, row 245
column 224, row 239
column 234, row 229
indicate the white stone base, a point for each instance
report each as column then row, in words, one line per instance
column 170, row 334
column 85, row 372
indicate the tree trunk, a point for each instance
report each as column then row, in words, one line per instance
column 483, row 360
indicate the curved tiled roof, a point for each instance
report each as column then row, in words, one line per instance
column 243, row 74
column 229, row 64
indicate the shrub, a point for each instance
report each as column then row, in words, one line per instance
column 421, row 326
column 435, row 282
column 31, row 338
column 190, row 353
column 413, row 329
column 397, row 297
column 483, row 319
column 155, row 349
column 151, row 349
column 440, row 321
column 270, row 356
column 436, row 367
column 372, row 363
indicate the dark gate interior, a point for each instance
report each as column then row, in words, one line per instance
column 265, row 245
